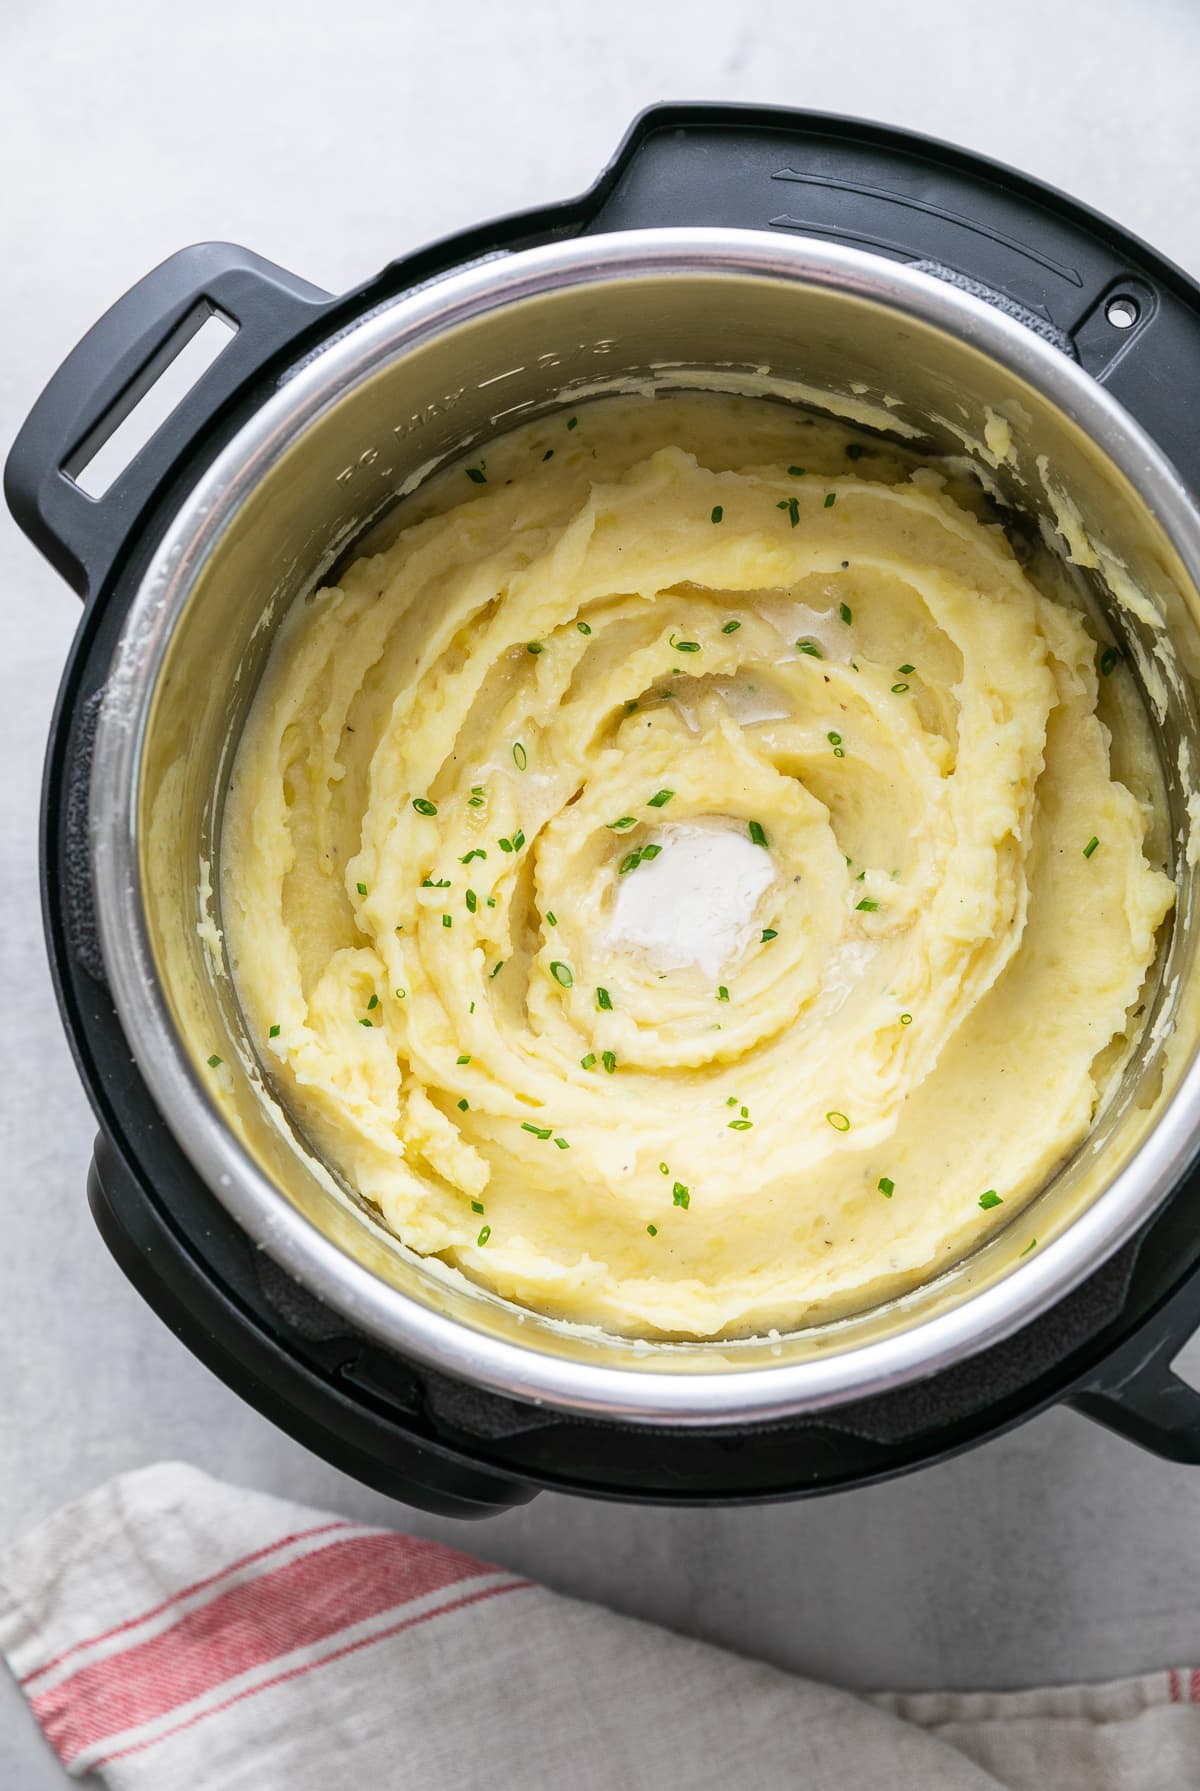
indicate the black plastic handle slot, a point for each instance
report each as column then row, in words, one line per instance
column 1136, row 1391
column 105, row 376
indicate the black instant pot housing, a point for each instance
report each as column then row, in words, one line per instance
column 1129, row 318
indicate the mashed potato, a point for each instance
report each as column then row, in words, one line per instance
column 680, row 882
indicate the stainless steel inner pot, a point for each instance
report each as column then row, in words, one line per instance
column 453, row 363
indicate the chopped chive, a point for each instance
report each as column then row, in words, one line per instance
column 498, row 968
column 571, row 422
column 838, row 1121
column 463, row 1057
column 423, row 806
column 491, row 901
column 366, row 1023
column 830, row 499
column 846, row 613
column 534, row 647
column 730, row 627
column 990, row 1199
column 854, row 451
column 839, row 752
column 470, row 1010
column 887, row 1186
column 717, row 513
column 906, row 1019
column 476, row 476
column 551, row 918
column 542, row 1132
column 464, row 1107
column 664, row 1169
column 768, row 933
column 867, row 906
column 660, row 799
column 562, row 1144
column 505, row 845
column 811, row 648
column 373, row 1003
column 899, row 689
column 609, row 1060
column 477, row 1206
column 684, row 646
column 680, row 1195
column 722, row 993
column 428, row 883
column 904, row 670
column 214, row 1062
column 518, row 841
column 757, row 835
column 745, row 1112
column 274, row 1033
column 833, row 739
column 475, row 852
column 484, row 1235
column 520, row 757
column 1108, row 661
column 652, row 1230
column 732, row 1101
column 792, row 506
column 447, row 921
column 740, row 1125
column 583, row 627
column 562, row 974
column 1031, row 1245
column 549, row 454
column 588, row 1062
column 619, row 826
column 631, row 705
column 472, row 901
column 796, row 472
column 651, row 851
column 361, row 888
column 1091, row 846
column 401, row 993
column 629, row 863
column 474, row 801
column 603, row 999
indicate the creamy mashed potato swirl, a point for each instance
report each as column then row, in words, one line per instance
column 676, row 640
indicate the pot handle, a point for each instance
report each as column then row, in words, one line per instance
column 106, row 375
column 1136, row 1391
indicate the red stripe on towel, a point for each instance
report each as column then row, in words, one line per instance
column 293, row 1606
column 261, row 1554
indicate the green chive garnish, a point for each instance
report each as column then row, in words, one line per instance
column 484, row 1235
column 472, row 901
column 904, row 670
column 796, row 472
column 680, row 1195
column 722, row 993
column 652, row 1230
column 1032, row 1244
column 498, row 968
column 463, row 1107
column 463, row 1057
column 423, row 806
column 562, row 974
column 846, row 613
column 730, row 627
column 833, row 739
column 475, row 475
column 603, row 999
column 906, row 1019
column 867, row 906
column 366, row 1022
column 446, row 921
column 520, row 758
column 664, row 1169
column 740, row 1125
column 571, row 422
column 854, row 451
column 588, row 1062
column 830, row 499
column 476, row 852
column 660, row 799
column 758, row 837
column 505, row 845
column 768, row 933
column 1108, row 661
column 533, row 647
column 274, row 1033
column 620, row 826
column 990, row 1199
column 542, row 1132
column 373, row 1003
column 717, row 513
column 428, row 883
column 899, row 689
column 811, row 648
column 583, row 628
column 1091, row 846
column 838, row 1121
column 401, row 993
column 361, row 887
column 477, row 1206
column 684, row 646
column 609, row 1060
column 214, row 1062
column 562, row 1144
column 792, row 506
column 551, row 918
column 549, row 454
column 887, row 1186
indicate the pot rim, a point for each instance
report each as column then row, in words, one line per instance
column 518, row 1371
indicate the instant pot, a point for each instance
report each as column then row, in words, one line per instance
column 824, row 259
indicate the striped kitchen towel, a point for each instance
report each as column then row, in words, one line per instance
column 172, row 1633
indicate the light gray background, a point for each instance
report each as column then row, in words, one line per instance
column 330, row 137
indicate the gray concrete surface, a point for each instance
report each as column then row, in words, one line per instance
column 329, row 138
